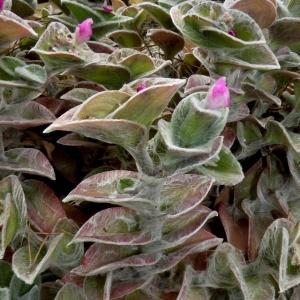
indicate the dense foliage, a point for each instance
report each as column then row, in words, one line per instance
column 150, row 150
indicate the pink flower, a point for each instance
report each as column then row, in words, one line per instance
column 1, row 4
column 233, row 33
column 218, row 96
column 107, row 8
column 141, row 87
column 83, row 31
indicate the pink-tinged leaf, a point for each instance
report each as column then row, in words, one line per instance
column 203, row 241
column 13, row 28
column 13, row 215
column 44, row 208
column 182, row 193
column 148, row 103
column 21, row 160
column 26, row 115
column 177, row 229
column 123, row 288
column 236, row 231
column 102, row 258
column 77, row 140
column 125, row 133
column 262, row 11
column 189, row 291
column 197, row 83
column 101, row 105
column 117, row 225
column 101, row 187
column 229, row 136
column 73, row 278
column 53, row 105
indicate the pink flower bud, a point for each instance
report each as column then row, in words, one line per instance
column 107, row 8
column 233, row 33
column 141, row 87
column 1, row 4
column 84, row 31
column 218, row 96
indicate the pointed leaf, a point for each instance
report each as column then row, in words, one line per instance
column 33, row 73
column 70, row 291
column 148, row 104
column 101, row 105
column 107, row 74
column 44, row 208
column 182, row 193
column 117, row 225
column 8, row 64
column 20, row 160
column 226, row 170
column 13, row 215
column 13, row 28
column 126, row 38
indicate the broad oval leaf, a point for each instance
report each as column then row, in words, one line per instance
column 70, row 291
column 44, row 208
column 117, row 225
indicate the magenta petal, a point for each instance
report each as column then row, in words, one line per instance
column 218, row 96
column 141, row 87
column 107, row 8
column 84, row 31
column 233, row 33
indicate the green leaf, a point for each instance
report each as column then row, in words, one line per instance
column 283, row 32
column 126, row 38
column 13, row 215
column 34, row 73
column 8, row 64
column 225, row 169
column 81, row 11
column 101, row 105
column 159, row 14
column 194, row 126
column 110, row 75
column 23, row 8
column 148, row 104
column 6, row 274
column 70, row 291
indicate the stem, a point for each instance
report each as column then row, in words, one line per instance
column 2, row 155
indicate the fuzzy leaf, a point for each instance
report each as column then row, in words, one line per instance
column 44, row 208
column 25, row 115
column 101, row 105
column 148, row 104
column 182, row 193
column 177, row 229
column 107, row 74
column 6, row 273
column 195, row 22
column 57, row 49
column 117, row 225
column 94, row 287
column 121, row 132
column 262, row 12
column 225, row 170
column 193, row 126
column 20, row 160
column 33, row 73
column 170, row 42
column 103, row 258
column 81, row 11
column 8, row 64
column 126, row 38
column 13, row 28
column 22, row 260
column 20, row 290
column 159, row 14
column 283, row 32
column 70, row 291
column 13, row 215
